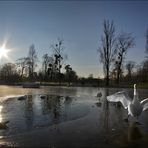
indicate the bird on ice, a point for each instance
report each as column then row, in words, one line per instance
column 99, row 94
column 134, row 106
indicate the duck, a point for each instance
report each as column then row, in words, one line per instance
column 22, row 97
column 134, row 106
column 99, row 94
column 43, row 96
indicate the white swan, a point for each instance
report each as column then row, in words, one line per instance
column 134, row 106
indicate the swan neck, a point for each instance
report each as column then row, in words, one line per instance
column 135, row 91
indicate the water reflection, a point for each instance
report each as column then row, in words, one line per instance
column 36, row 112
column 51, row 106
column 134, row 132
column 98, row 104
column 105, row 112
column 68, row 100
column 90, row 116
column 110, row 120
column 99, row 96
column 29, row 111
column 1, row 119
column 131, row 136
column 56, row 108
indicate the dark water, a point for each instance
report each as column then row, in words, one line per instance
column 68, row 117
column 34, row 112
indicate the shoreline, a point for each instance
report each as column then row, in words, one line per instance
column 140, row 85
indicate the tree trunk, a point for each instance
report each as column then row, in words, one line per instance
column 118, row 75
column 119, row 68
column 107, row 76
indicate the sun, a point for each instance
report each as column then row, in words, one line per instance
column 3, row 51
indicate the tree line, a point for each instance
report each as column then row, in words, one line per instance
column 112, row 54
column 24, row 69
column 112, row 51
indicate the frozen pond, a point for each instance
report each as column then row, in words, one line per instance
column 68, row 117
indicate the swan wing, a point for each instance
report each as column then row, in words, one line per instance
column 144, row 103
column 120, row 97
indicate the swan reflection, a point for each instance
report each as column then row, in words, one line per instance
column 1, row 119
column 133, row 137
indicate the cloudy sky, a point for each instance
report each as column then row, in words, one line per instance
column 78, row 23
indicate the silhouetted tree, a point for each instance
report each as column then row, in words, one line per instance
column 8, row 73
column 147, row 42
column 124, row 42
column 129, row 67
column 47, row 65
column 113, row 74
column 32, row 60
column 144, row 71
column 51, row 70
column 68, row 73
column 107, row 50
column 90, row 76
column 22, row 64
column 73, row 76
column 58, row 56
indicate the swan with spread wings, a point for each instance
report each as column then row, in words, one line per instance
column 134, row 106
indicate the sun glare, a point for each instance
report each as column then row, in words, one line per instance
column 3, row 51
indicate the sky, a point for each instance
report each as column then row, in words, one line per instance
column 78, row 23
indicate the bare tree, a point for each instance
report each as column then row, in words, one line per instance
column 8, row 73
column 68, row 73
column 124, row 42
column 107, row 50
column 145, row 71
column 32, row 60
column 46, row 61
column 129, row 67
column 147, row 43
column 59, row 56
column 21, row 64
